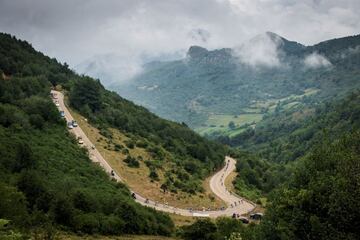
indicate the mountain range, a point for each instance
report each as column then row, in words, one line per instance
column 208, row 89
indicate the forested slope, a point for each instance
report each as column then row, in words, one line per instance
column 285, row 136
column 268, row 154
column 322, row 200
column 47, row 181
column 190, row 154
column 319, row 201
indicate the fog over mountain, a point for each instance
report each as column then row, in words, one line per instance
column 91, row 31
column 248, row 80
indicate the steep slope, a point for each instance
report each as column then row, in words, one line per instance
column 321, row 200
column 268, row 153
column 289, row 135
column 170, row 157
column 209, row 89
column 47, row 182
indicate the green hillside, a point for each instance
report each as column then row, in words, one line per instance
column 208, row 84
column 305, row 164
column 268, row 153
column 286, row 136
column 166, row 141
column 320, row 200
column 47, row 182
column 52, row 180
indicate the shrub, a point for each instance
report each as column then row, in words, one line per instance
column 130, row 144
column 153, row 175
column 132, row 162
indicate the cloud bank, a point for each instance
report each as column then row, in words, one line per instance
column 261, row 51
column 315, row 60
column 78, row 30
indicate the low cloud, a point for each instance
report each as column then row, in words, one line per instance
column 350, row 51
column 315, row 60
column 261, row 51
column 75, row 31
column 200, row 35
column 110, row 68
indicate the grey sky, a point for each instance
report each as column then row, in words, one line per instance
column 76, row 30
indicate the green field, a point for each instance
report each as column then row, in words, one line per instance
column 220, row 123
column 271, row 103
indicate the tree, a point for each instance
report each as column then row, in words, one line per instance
column 86, row 92
column 153, row 175
column 24, row 157
column 227, row 226
column 203, row 229
column 13, row 205
column 232, row 125
column 6, row 233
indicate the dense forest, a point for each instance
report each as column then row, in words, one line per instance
column 319, row 201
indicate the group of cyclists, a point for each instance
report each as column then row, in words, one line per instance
column 236, row 203
column 191, row 209
column 222, row 176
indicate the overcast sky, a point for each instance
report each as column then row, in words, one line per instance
column 76, row 30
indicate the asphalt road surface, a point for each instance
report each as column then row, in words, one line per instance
column 235, row 204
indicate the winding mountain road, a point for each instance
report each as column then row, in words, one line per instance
column 235, row 204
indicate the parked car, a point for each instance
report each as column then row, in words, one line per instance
column 256, row 216
column 62, row 114
column 80, row 141
column 74, row 123
column 69, row 125
column 57, row 104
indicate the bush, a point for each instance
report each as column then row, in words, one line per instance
column 141, row 144
column 118, row 147
column 132, row 162
column 203, row 229
column 153, row 175
column 125, row 151
column 87, row 223
column 130, row 144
